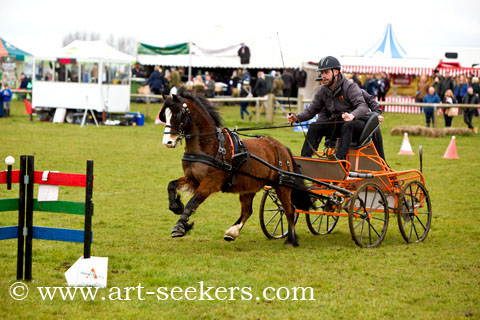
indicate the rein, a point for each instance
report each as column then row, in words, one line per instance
column 188, row 136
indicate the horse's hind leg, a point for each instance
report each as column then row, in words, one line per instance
column 234, row 231
column 174, row 202
column 284, row 197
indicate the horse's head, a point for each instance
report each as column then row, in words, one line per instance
column 177, row 118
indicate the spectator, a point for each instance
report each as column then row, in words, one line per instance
column 430, row 97
column 137, row 71
column 209, row 86
column 461, row 88
column 175, row 78
column 156, row 81
column 234, row 84
column 198, row 85
column 448, row 99
column 436, row 84
column 470, row 98
column 287, row 78
column 23, row 86
column 246, row 91
column 260, row 89
column 1, row 102
column 383, row 85
column 371, row 85
column 446, row 84
column 6, row 94
column 475, row 85
column 277, row 89
column 422, row 89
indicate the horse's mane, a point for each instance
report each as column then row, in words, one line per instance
column 204, row 103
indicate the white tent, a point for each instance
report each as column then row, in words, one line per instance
column 387, row 55
column 83, row 75
column 218, row 47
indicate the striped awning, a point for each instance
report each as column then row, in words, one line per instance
column 388, row 69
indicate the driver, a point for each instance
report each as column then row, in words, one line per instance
column 336, row 100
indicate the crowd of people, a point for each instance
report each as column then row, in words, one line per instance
column 449, row 91
column 6, row 94
column 241, row 83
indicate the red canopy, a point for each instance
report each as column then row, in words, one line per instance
column 455, row 69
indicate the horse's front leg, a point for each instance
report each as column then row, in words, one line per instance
column 174, row 201
column 234, row 231
column 205, row 189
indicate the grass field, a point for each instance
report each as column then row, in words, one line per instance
column 435, row 279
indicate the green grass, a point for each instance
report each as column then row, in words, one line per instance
column 435, row 279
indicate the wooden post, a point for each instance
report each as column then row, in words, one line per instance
column 299, row 103
column 147, row 112
column 270, row 107
column 21, row 217
column 29, row 219
column 87, row 240
column 257, row 111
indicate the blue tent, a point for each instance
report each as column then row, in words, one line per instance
column 387, row 47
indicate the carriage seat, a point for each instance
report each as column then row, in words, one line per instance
column 369, row 129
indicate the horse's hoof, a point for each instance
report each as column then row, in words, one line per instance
column 228, row 238
column 290, row 244
column 177, row 234
column 178, row 231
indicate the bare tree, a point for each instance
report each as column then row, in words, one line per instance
column 127, row 45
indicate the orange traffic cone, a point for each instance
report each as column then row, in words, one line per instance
column 451, row 152
column 406, row 147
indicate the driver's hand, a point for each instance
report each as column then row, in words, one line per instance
column 292, row 118
column 348, row 117
column 380, row 118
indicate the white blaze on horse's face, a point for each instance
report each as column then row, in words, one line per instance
column 169, row 140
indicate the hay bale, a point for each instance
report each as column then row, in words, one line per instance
column 429, row 132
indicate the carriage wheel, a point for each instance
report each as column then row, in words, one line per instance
column 272, row 220
column 322, row 224
column 414, row 212
column 368, row 216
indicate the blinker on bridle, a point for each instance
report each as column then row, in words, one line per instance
column 183, row 123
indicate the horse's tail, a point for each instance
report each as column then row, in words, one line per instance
column 300, row 197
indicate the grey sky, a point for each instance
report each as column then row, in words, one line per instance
column 339, row 27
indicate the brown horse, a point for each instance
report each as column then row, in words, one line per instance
column 210, row 166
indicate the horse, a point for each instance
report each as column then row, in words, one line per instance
column 215, row 159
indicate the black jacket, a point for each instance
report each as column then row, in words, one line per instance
column 244, row 53
column 260, row 88
column 345, row 97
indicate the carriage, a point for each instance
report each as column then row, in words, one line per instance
column 363, row 188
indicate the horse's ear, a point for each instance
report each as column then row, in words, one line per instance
column 164, row 97
column 175, row 98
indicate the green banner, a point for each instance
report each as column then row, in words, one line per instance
column 181, row 48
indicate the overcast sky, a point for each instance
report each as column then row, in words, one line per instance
column 336, row 26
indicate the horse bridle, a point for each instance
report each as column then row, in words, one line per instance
column 185, row 121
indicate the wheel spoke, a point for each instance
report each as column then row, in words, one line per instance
column 320, row 223
column 378, row 219
column 266, row 224
column 421, row 223
column 361, row 233
column 369, row 232
column 374, row 229
column 363, row 220
column 414, row 228
column 276, row 227
column 373, row 202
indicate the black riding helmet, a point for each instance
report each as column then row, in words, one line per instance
column 327, row 63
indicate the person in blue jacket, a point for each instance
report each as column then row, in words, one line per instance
column 430, row 97
column 156, row 81
column 6, row 94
